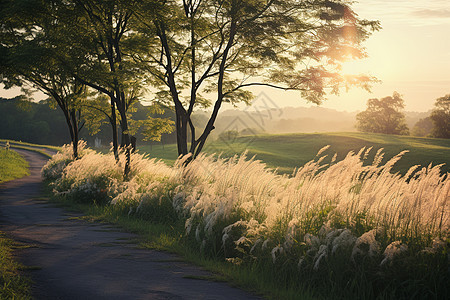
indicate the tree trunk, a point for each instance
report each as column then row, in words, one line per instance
column 115, row 136
column 71, row 131
column 75, row 136
column 126, row 142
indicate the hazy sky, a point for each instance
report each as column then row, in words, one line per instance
column 411, row 55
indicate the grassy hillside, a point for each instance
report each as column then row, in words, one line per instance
column 287, row 151
column 12, row 165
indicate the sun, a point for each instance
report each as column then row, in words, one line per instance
column 352, row 67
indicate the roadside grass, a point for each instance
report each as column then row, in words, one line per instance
column 45, row 150
column 20, row 143
column 12, row 165
column 170, row 237
column 347, row 231
column 286, row 152
column 307, row 223
column 12, row 284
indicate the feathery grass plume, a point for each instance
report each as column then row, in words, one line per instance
column 324, row 215
column 322, row 150
column 54, row 167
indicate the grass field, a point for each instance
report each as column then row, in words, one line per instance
column 288, row 151
column 12, row 165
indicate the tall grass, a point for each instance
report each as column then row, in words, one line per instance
column 350, row 228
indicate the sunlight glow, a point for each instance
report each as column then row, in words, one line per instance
column 353, row 67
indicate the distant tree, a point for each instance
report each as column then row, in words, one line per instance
column 441, row 117
column 228, row 135
column 250, row 131
column 423, row 127
column 383, row 116
column 220, row 47
column 21, row 119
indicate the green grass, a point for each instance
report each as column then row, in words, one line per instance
column 170, row 237
column 12, row 165
column 12, row 284
column 288, row 151
column 31, row 147
column 16, row 143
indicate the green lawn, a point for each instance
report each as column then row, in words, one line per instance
column 12, row 165
column 288, row 151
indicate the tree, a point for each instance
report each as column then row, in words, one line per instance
column 27, row 58
column 423, row 127
column 219, row 47
column 383, row 116
column 99, row 57
column 441, row 117
column 86, row 40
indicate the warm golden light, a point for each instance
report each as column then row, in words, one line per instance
column 352, row 67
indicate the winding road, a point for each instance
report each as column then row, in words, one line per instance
column 74, row 259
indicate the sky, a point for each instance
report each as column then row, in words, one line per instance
column 410, row 55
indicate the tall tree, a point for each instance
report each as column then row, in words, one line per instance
column 99, row 57
column 217, row 48
column 383, row 116
column 441, row 117
column 27, row 58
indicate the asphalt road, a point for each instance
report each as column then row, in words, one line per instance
column 73, row 259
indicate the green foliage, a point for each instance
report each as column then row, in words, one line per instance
column 150, row 127
column 12, row 165
column 423, row 127
column 196, row 48
column 155, row 127
column 383, row 116
column 441, row 117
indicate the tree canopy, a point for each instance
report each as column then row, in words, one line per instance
column 193, row 53
column 441, row 117
column 203, row 53
column 383, row 116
